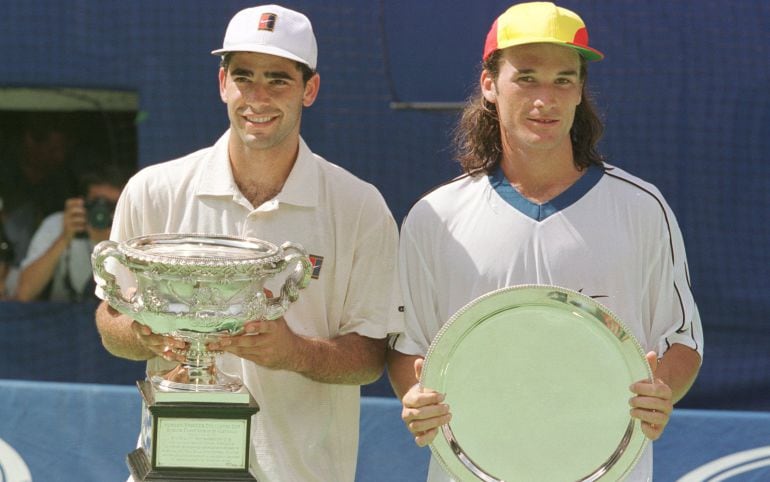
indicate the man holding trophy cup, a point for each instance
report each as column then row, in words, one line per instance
column 256, row 195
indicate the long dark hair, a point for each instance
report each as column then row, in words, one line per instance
column 477, row 139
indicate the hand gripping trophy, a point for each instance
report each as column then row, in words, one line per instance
column 197, row 288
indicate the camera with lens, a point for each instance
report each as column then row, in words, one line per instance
column 99, row 212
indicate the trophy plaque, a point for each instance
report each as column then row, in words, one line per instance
column 537, row 377
column 196, row 420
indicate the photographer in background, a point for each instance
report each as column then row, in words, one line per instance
column 57, row 266
column 6, row 253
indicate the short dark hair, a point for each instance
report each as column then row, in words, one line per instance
column 477, row 135
column 110, row 174
column 307, row 72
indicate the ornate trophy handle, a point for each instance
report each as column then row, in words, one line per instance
column 298, row 279
column 113, row 294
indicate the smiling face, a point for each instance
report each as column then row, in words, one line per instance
column 536, row 93
column 265, row 95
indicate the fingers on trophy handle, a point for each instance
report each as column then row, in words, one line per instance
column 297, row 261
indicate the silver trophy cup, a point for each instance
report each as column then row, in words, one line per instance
column 197, row 288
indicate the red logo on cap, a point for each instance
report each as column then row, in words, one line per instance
column 267, row 21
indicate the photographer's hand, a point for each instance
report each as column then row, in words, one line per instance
column 75, row 220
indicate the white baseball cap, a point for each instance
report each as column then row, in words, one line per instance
column 271, row 29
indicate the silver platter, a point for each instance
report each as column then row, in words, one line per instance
column 537, row 378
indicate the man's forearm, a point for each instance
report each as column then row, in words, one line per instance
column 117, row 336
column 678, row 368
column 35, row 276
column 401, row 371
column 350, row 359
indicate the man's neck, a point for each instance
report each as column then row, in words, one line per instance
column 261, row 174
column 540, row 176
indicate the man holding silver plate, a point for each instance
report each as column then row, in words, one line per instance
column 550, row 322
column 255, row 202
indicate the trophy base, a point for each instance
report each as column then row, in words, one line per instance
column 141, row 471
column 195, row 436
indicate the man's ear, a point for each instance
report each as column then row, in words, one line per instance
column 311, row 90
column 488, row 87
column 222, row 82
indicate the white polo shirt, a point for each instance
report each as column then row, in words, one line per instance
column 305, row 430
column 611, row 236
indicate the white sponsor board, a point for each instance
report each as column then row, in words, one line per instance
column 12, row 466
column 724, row 468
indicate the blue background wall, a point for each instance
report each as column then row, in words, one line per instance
column 684, row 89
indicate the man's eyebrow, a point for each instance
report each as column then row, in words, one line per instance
column 270, row 74
column 569, row 72
column 241, row 72
column 278, row 74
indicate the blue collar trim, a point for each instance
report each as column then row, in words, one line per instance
column 539, row 212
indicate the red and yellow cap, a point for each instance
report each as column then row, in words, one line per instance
column 540, row 22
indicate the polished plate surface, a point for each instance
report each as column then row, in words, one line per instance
column 537, row 378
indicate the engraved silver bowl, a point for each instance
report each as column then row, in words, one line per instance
column 197, row 287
